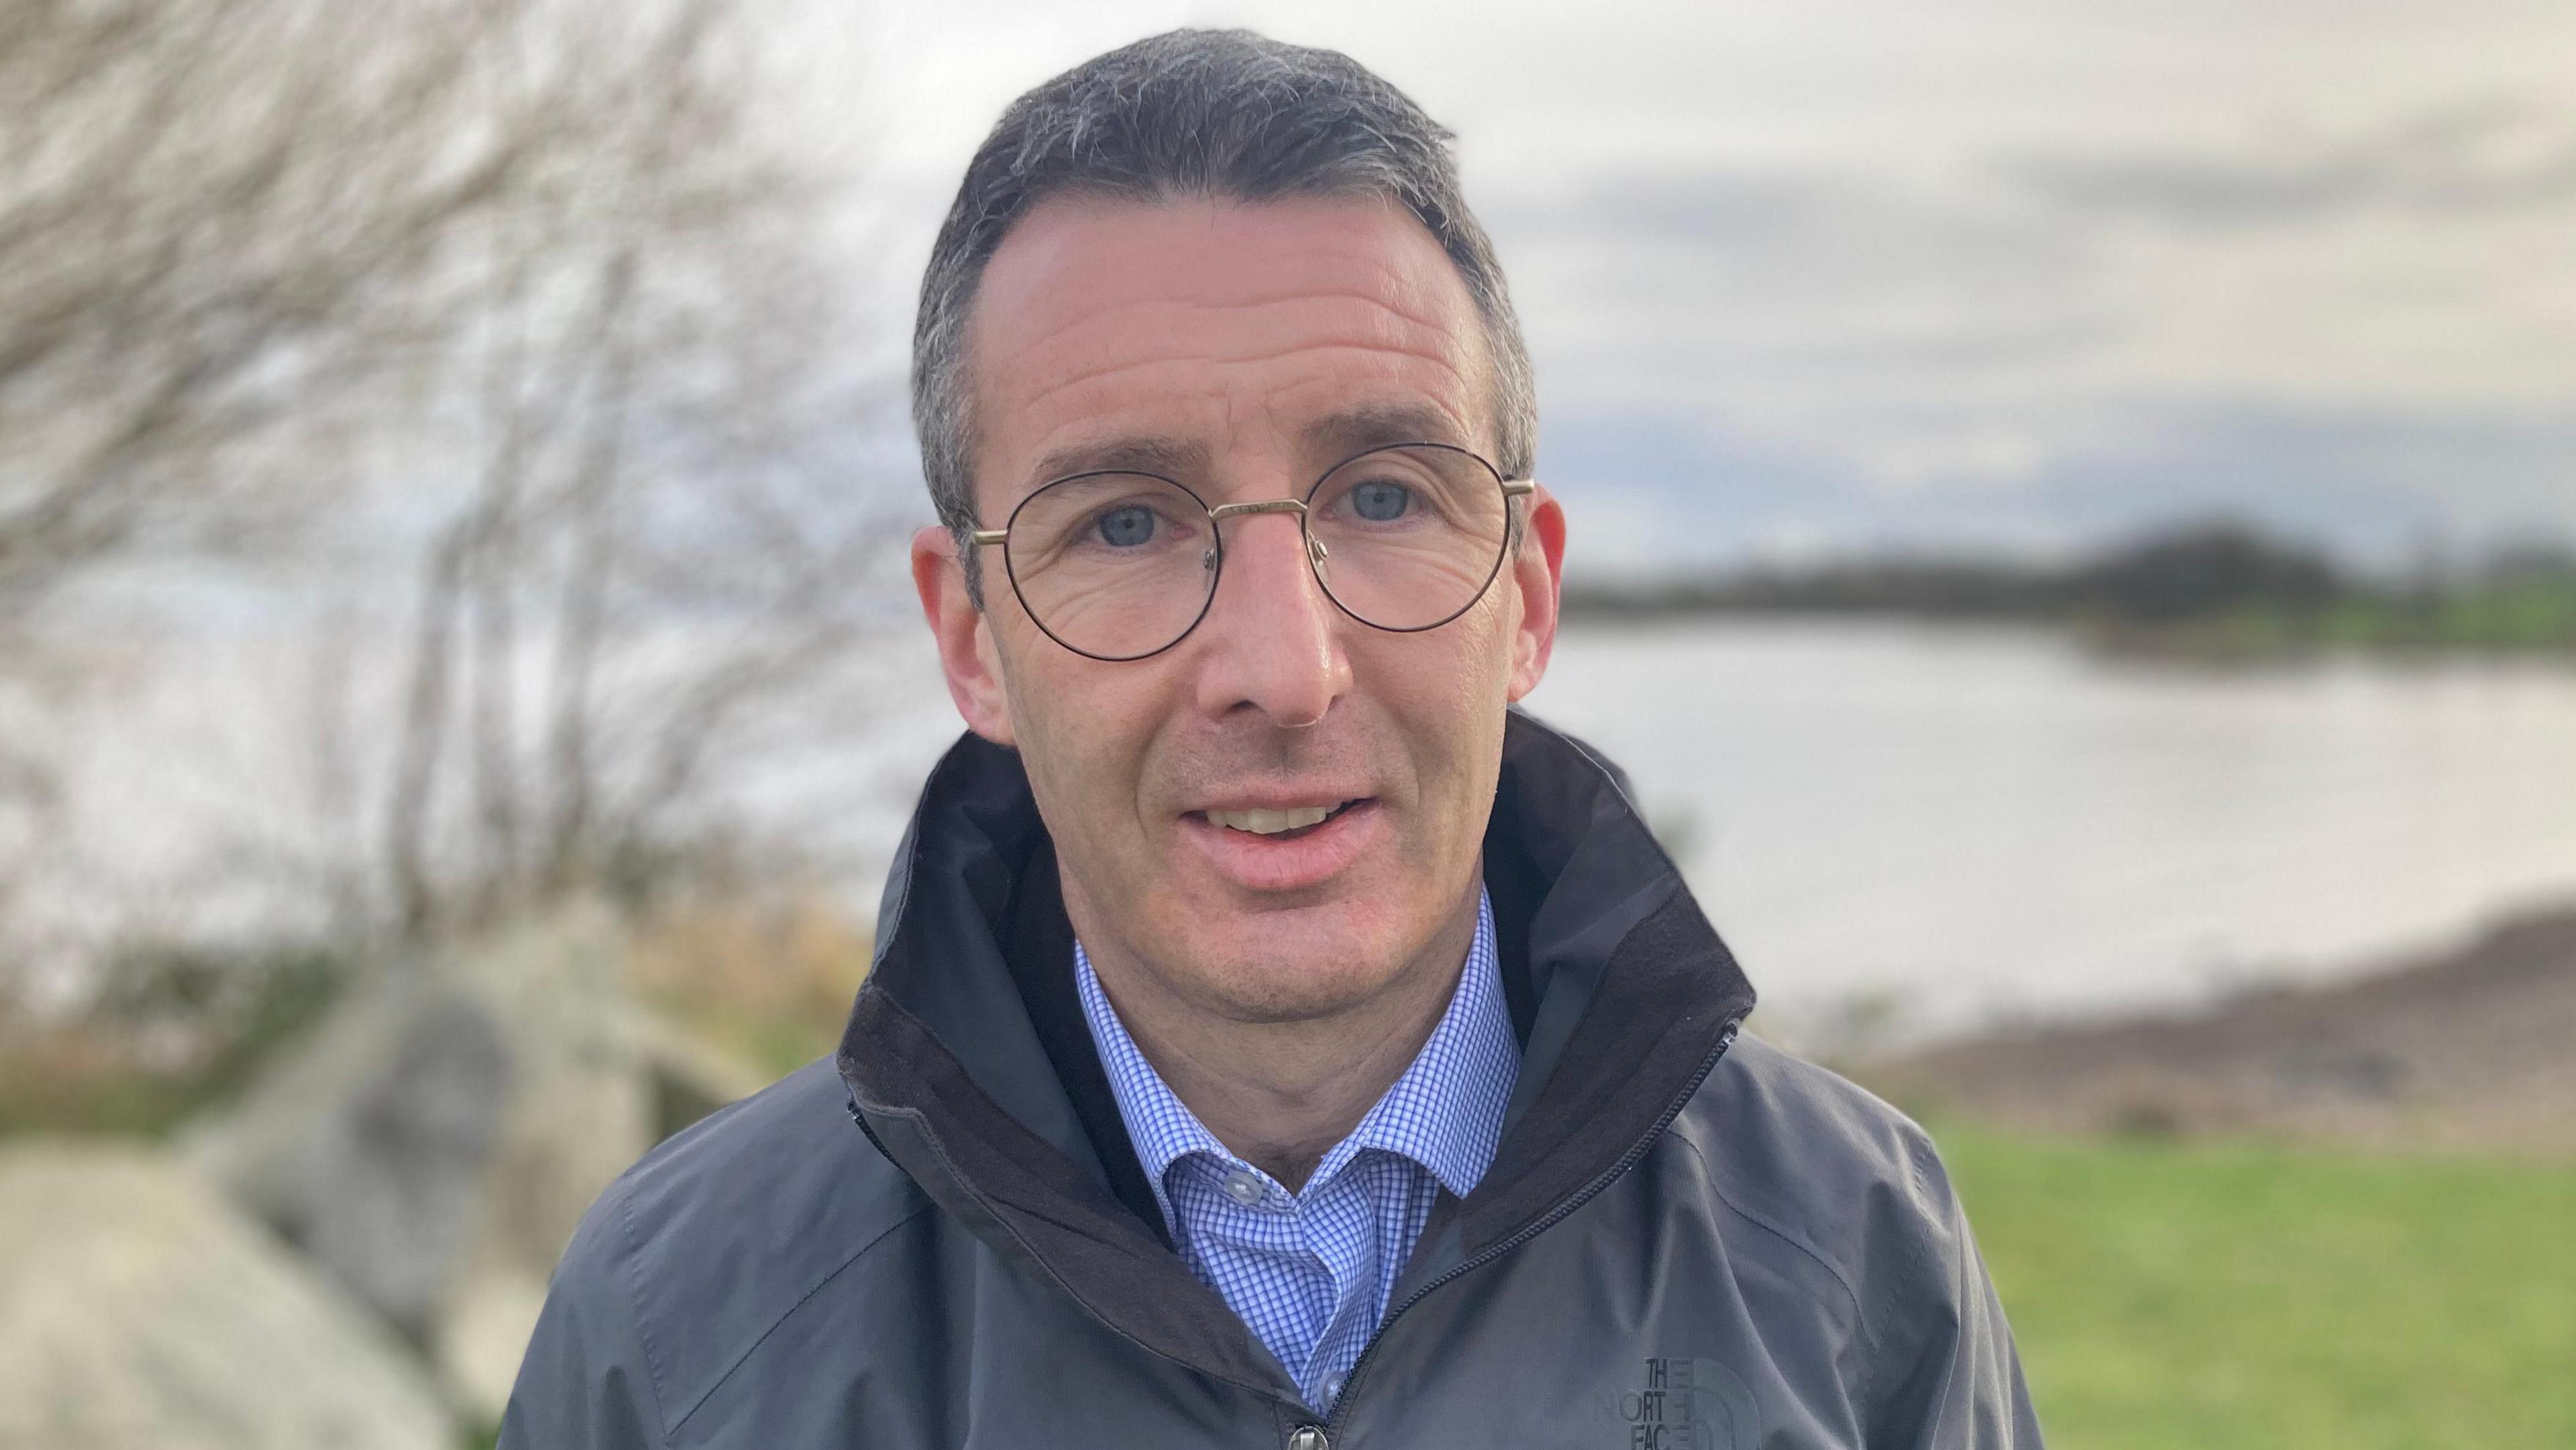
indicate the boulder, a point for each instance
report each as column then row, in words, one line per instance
column 365, row 1149
column 138, row 1308
column 437, row 1142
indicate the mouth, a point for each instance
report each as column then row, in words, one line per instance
column 1286, row 823
column 1289, row 848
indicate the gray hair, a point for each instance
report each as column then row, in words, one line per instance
column 1215, row 113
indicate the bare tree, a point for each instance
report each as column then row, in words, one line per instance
column 558, row 264
column 679, row 539
column 211, row 220
column 215, row 223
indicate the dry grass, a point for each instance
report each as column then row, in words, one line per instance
column 768, row 978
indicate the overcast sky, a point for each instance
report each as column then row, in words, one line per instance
column 1854, row 273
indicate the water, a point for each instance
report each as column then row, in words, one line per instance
column 1954, row 825
column 1931, row 826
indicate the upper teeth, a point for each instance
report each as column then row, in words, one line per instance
column 1271, row 823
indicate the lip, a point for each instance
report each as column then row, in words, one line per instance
column 1291, row 862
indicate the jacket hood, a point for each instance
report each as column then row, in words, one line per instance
column 969, row 1065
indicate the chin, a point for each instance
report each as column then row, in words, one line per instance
column 1314, row 963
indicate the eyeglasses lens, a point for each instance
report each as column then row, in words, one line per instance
column 1411, row 536
column 1114, row 565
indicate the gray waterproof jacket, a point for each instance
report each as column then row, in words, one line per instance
column 1686, row 1240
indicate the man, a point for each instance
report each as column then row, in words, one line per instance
column 1274, row 1039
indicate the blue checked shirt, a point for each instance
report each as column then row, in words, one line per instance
column 1310, row 1272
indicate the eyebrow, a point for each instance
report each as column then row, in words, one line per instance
column 1330, row 440
column 1170, row 457
column 1357, row 430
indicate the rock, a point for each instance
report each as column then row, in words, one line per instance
column 366, row 1154
column 2460, row 1051
column 365, row 1149
column 140, row 1309
column 691, row 1077
column 579, row 1111
column 436, row 1144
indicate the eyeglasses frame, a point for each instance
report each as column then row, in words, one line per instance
column 1512, row 489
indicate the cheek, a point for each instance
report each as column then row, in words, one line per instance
column 1480, row 679
column 1446, row 692
column 1084, row 729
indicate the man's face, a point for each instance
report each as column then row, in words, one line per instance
column 1242, row 348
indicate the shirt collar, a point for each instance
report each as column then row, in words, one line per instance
column 1444, row 1112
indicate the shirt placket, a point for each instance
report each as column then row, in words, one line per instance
column 1259, row 1255
column 1341, row 1222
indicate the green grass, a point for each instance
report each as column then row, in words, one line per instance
column 2212, row 1296
column 2536, row 615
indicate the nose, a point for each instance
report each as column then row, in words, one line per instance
column 1272, row 640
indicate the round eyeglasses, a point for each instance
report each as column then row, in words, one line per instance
column 1119, row 565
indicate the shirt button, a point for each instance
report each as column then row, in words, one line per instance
column 1243, row 1188
column 1332, row 1388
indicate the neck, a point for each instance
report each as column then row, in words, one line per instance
column 1278, row 1094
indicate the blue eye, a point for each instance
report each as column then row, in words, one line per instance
column 1381, row 503
column 1125, row 528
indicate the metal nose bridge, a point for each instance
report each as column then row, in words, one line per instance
column 1265, row 506
column 1314, row 546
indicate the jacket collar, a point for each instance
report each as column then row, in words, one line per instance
column 968, row 1062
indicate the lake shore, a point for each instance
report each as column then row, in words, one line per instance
column 2467, row 1051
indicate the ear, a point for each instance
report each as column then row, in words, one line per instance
column 964, row 635
column 1538, row 567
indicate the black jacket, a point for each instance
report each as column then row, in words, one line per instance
column 1685, row 1239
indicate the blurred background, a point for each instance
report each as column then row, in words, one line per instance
column 2073, row 521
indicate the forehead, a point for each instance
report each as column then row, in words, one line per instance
column 1219, row 330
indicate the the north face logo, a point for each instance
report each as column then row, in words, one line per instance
column 1686, row 1404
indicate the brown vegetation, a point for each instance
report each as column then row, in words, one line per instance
column 768, row 978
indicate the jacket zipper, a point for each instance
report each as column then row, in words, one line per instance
column 1359, row 1367
column 1351, row 1382
column 874, row 1141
